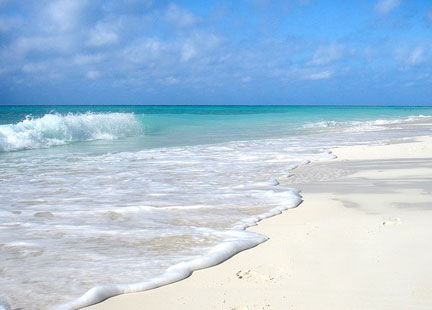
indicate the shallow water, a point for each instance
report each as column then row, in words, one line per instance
column 135, row 197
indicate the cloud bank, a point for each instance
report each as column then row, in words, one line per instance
column 151, row 52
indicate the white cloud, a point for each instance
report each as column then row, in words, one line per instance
column 9, row 22
column 197, row 44
column 429, row 16
column 92, row 75
column 144, row 50
column 188, row 51
column 411, row 56
column 318, row 75
column 84, row 59
column 171, row 80
column 4, row 70
column 58, row 34
column 416, row 57
column 169, row 45
column 409, row 84
column 24, row 45
column 101, row 35
column 64, row 14
column 33, row 67
column 180, row 17
column 386, row 6
column 327, row 54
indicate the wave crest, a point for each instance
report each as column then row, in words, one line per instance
column 57, row 129
column 364, row 125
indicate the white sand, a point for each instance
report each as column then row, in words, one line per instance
column 361, row 240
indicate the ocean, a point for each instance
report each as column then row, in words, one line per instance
column 102, row 200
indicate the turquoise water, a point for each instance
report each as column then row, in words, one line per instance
column 161, row 126
column 103, row 200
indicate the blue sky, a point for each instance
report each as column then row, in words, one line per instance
column 216, row 52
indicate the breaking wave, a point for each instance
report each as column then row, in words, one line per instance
column 363, row 125
column 57, row 129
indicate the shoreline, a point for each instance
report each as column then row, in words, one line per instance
column 337, row 250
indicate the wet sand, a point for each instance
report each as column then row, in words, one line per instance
column 360, row 240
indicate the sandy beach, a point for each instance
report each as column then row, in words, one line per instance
column 360, row 240
column 179, row 154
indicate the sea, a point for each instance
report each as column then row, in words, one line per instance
column 100, row 200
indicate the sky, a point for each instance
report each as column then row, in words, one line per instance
column 363, row 52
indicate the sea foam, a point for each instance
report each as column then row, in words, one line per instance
column 86, row 226
column 57, row 129
column 133, row 220
column 364, row 125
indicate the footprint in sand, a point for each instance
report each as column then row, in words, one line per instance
column 43, row 214
column 263, row 273
column 393, row 221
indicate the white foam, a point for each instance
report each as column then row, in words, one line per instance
column 237, row 242
column 137, row 220
column 56, row 129
column 143, row 205
column 4, row 305
column 366, row 125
